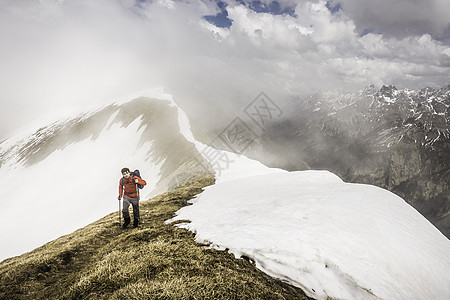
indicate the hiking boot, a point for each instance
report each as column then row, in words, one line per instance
column 125, row 224
column 136, row 223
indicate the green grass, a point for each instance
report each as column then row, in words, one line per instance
column 154, row 261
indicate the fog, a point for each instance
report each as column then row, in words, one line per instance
column 58, row 55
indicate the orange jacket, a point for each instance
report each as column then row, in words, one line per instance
column 130, row 187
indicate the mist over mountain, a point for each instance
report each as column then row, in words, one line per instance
column 63, row 54
column 398, row 139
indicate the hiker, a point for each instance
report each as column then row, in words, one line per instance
column 129, row 190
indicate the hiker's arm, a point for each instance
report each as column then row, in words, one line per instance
column 139, row 181
column 120, row 189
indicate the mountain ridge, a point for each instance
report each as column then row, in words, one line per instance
column 156, row 134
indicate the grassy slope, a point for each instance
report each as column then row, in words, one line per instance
column 154, row 261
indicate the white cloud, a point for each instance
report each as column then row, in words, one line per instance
column 59, row 54
column 399, row 18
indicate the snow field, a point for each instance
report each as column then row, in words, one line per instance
column 333, row 239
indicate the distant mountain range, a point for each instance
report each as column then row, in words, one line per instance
column 395, row 139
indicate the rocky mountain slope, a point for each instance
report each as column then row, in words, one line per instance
column 395, row 139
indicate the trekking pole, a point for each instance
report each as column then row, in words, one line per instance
column 120, row 220
column 138, row 196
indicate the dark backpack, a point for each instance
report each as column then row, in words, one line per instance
column 138, row 174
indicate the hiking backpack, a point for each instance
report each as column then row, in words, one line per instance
column 138, row 174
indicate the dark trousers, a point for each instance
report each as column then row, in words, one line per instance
column 126, row 204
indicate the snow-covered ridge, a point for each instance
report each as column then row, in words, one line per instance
column 157, row 93
column 333, row 239
column 63, row 175
column 72, row 165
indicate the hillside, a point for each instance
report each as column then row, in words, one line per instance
column 154, row 261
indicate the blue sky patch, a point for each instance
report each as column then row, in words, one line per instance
column 221, row 19
column 275, row 8
column 333, row 8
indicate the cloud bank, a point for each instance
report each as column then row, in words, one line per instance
column 61, row 54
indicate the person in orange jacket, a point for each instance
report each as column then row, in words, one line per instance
column 129, row 191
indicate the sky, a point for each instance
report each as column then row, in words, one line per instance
column 212, row 56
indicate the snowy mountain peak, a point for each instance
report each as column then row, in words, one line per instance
column 388, row 91
column 370, row 89
column 423, row 115
column 157, row 93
